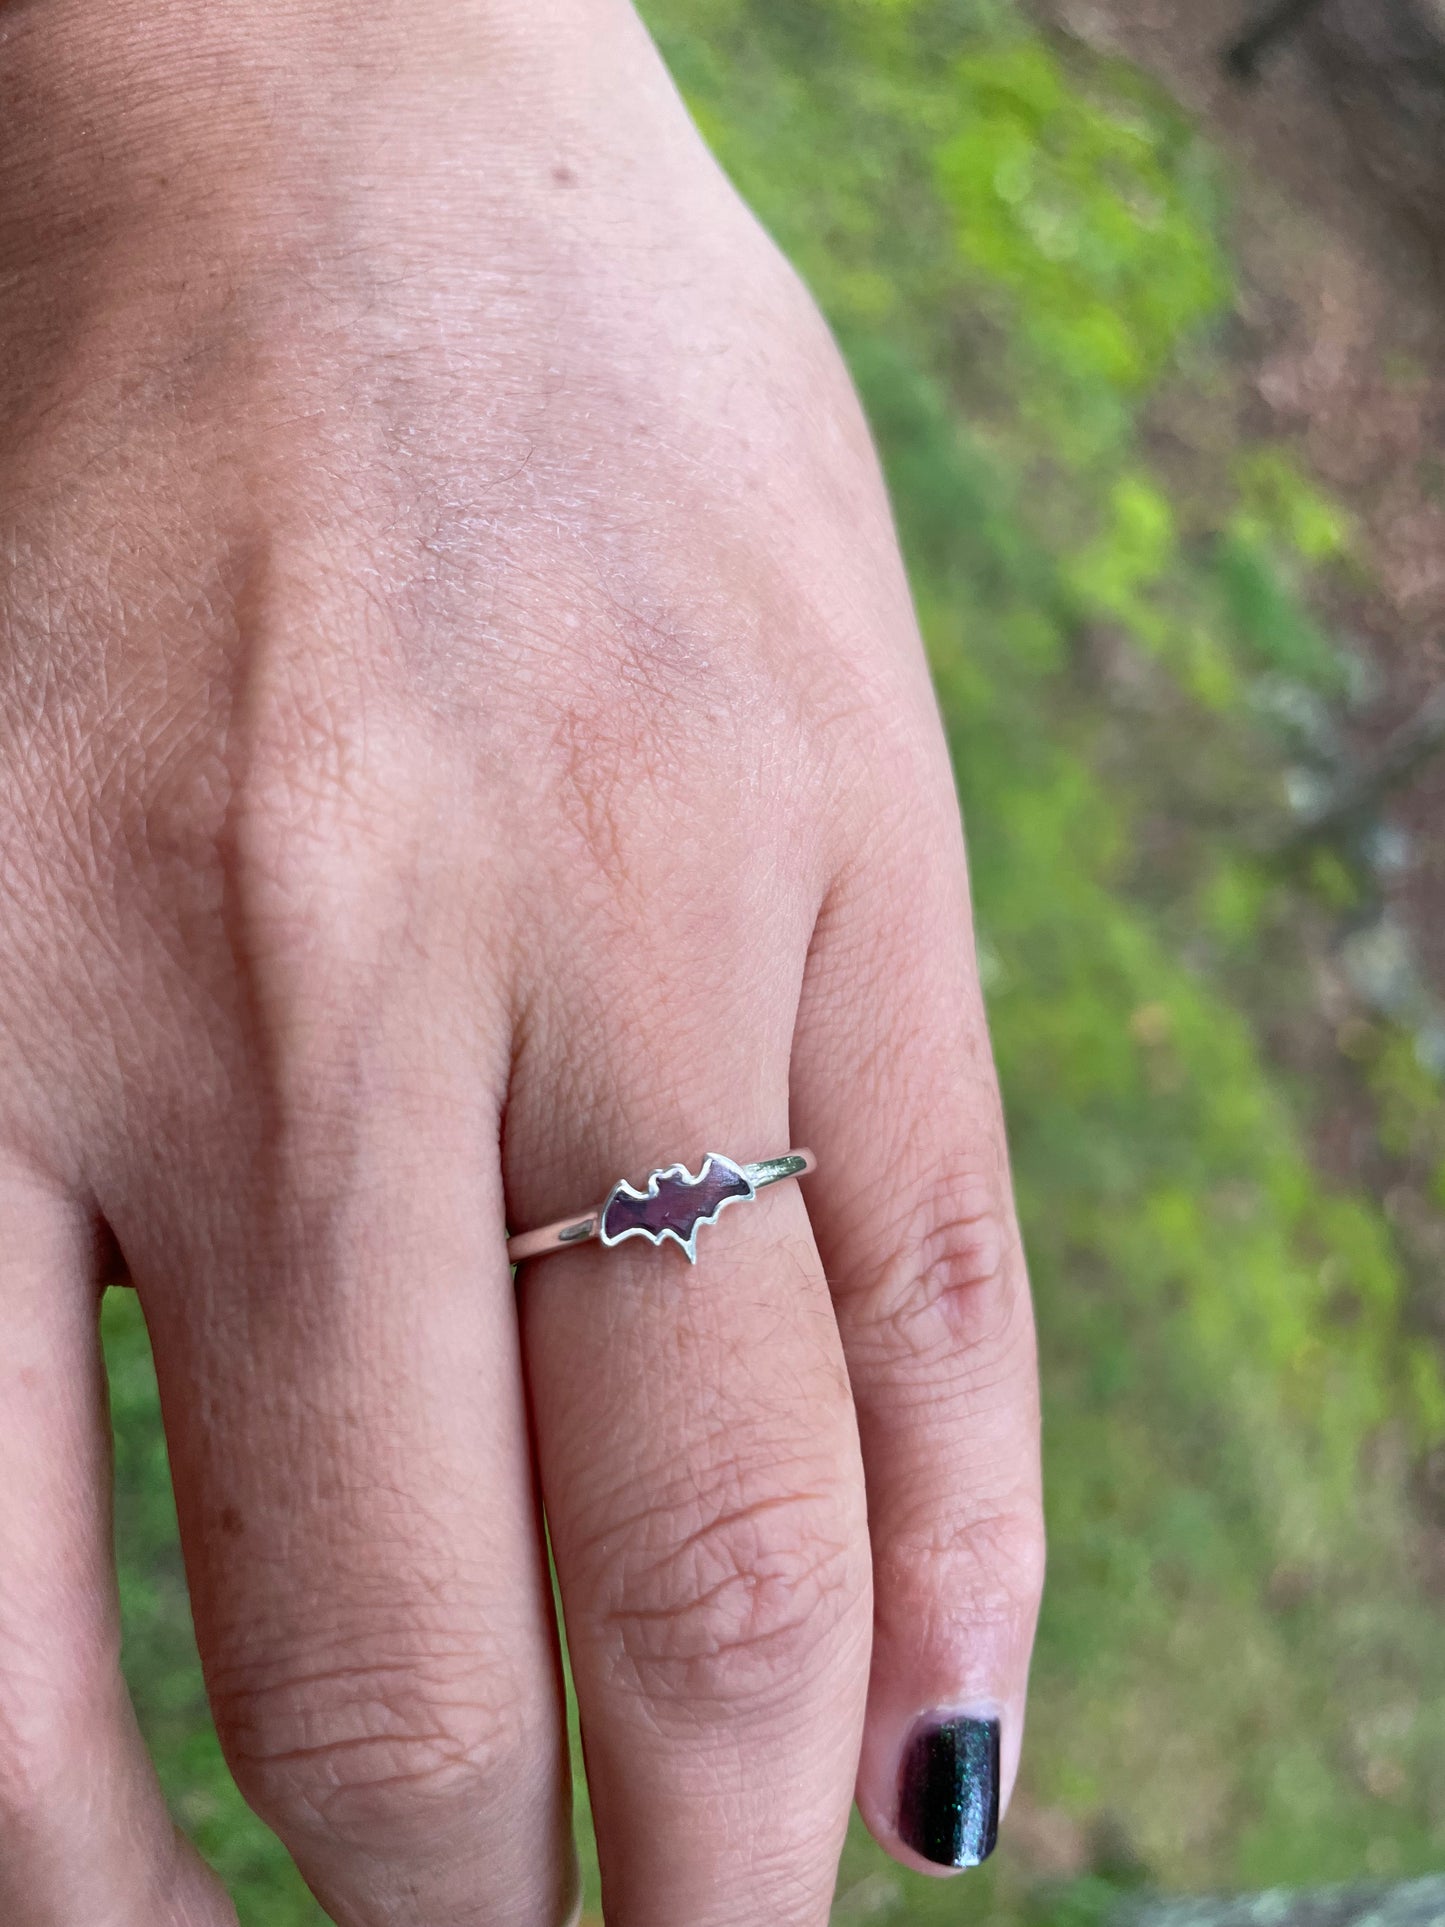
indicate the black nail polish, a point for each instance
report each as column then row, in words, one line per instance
column 948, row 1792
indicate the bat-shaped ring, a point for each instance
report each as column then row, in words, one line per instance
column 674, row 1204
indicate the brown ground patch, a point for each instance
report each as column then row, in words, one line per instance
column 1340, row 229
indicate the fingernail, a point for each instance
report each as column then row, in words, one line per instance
column 948, row 1792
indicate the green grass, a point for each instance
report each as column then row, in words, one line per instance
column 1238, row 1679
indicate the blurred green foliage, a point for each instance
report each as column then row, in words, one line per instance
column 1239, row 1680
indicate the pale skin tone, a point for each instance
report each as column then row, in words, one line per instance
column 463, row 739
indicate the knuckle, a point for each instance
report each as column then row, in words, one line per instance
column 303, row 828
column 994, row 1558
column 949, row 1301
column 323, row 912
column 380, row 1756
column 736, row 1591
column 320, row 773
column 984, row 1570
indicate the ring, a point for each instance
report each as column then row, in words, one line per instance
column 674, row 1205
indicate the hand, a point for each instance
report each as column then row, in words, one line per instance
column 463, row 738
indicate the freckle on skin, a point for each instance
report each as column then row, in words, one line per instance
column 563, row 175
column 231, row 1522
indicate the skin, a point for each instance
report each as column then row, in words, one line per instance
column 464, row 738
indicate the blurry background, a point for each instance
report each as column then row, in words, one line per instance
column 1153, row 355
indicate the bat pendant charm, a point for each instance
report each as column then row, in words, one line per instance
column 674, row 1205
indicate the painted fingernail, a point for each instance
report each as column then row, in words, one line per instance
column 948, row 1792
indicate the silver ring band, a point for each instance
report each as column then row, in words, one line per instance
column 674, row 1204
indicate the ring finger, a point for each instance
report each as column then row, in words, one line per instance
column 699, row 1458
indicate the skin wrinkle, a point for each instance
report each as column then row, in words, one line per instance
column 947, row 1291
column 992, row 1561
column 420, row 1788
column 707, row 1494
column 344, row 1703
column 766, row 1652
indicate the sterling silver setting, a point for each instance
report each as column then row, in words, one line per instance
column 673, row 1205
